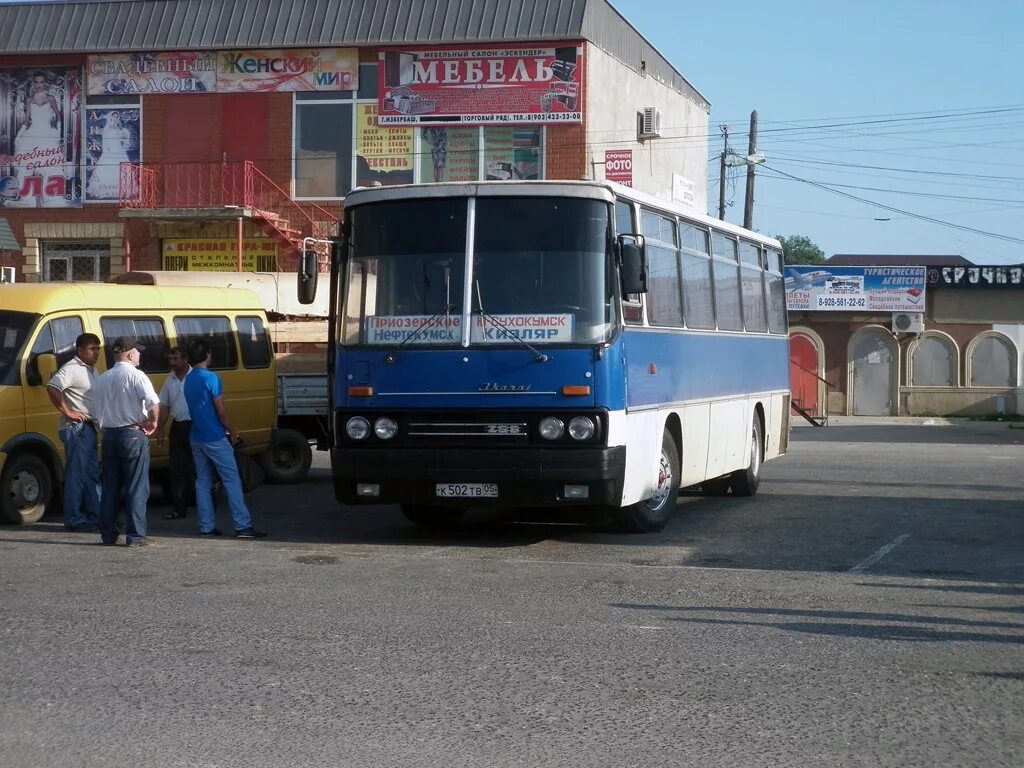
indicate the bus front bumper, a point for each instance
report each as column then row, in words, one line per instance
column 524, row 477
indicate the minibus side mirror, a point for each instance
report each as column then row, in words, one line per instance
column 309, row 269
column 46, row 364
column 633, row 258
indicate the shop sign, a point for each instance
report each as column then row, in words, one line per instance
column 40, row 154
column 1001, row 276
column 856, row 289
column 618, row 166
column 112, row 137
column 213, row 254
column 300, row 69
column 523, row 84
column 383, row 154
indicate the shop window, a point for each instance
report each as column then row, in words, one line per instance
column 255, row 344
column 449, row 154
column 148, row 331
column 322, row 148
column 368, row 76
column 933, row 362
column 70, row 261
column 512, row 153
column 216, row 332
column 57, row 338
column 993, row 362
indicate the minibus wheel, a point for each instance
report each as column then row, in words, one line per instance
column 26, row 487
column 432, row 517
column 745, row 481
column 288, row 459
column 653, row 514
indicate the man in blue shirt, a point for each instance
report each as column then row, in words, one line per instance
column 211, row 449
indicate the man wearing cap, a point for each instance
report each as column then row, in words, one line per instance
column 128, row 409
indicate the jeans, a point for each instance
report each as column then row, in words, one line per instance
column 125, row 466
column 218, row 456
column 81, row 474
column 182, row 467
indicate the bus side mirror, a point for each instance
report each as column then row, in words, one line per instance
column 46, row 366
column 309, row 269
column 633, row 258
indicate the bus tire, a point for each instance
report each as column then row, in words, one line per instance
column 26, row 488
column 744, row 482
column 718, row 486
column 653, row 514
column 426, row 516
column 288, row 458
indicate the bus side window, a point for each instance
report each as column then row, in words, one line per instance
column 150, row 333
column 252, row 337
column 215, row 331
column 57, row 338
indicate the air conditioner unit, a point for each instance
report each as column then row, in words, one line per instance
column 7, row 276
column 651, row 124
column 907, row 322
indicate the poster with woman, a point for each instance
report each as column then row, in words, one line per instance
column 40, row 137
column 111, row 138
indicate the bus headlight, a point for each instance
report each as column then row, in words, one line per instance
column 551, row 428
column 385, row 428
column 581, row 428
column 357, row 428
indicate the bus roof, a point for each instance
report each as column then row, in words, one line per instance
column 598, row 190
column 53, row 297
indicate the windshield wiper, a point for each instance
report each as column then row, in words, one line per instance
column 509, row 332
column 446, row 312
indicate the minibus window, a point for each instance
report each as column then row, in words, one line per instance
column 14, row 328
column 56, row 337
column 150, row 333
column 215, row 331
column 252, row 338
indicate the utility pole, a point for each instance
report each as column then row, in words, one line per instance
column 721, row 172
column 748, row 202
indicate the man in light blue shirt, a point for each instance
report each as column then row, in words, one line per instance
column 212, row 451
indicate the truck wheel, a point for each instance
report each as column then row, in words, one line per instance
column 432, row 517
column 288, row 459
column 25, row 489
column 653, row 514
column 745, row 481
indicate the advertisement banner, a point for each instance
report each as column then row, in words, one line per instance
column 131, row 74
column 112, row 137
column 857, row 289
column 322, row 69
column 450, row 154
column 471, row 85
column 212, row 254
column 40, row 137
column 383, row 154
column 512, row 153
column 618, row 166
column 300, row 69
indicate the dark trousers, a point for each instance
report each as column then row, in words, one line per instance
column 125, row 467
column 182, row 467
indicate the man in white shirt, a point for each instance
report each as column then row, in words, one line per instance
column 128, row 410
column 174, row 411
column 70, row 391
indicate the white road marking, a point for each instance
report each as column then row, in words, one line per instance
column 867, row 562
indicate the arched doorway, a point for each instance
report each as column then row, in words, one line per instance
column 803, row 372
column 874, row 372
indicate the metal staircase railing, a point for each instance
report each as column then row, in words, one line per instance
column 816, row 419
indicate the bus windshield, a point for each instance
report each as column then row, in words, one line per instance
column 540, row 272
column 14, row 328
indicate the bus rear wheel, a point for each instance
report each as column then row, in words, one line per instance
column 426, row 516
column 744, row 482
column 653, row 514
column 25, row 489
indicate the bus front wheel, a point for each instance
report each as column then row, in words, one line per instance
column 653, row 514
column 432, row 517
column 744, row 482
column 25, row 489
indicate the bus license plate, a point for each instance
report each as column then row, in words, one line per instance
column 467, row 490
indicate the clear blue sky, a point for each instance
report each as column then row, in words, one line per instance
column 941, row 68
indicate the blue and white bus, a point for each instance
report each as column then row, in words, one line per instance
column 550, row 344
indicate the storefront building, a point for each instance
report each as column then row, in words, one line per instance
column 934, row 336
column 192, row 135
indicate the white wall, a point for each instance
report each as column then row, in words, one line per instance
column 615, row 93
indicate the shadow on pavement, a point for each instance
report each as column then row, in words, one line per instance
column 984, row 433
